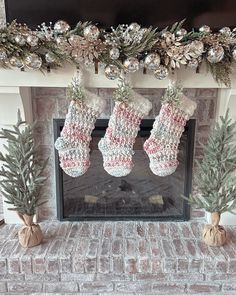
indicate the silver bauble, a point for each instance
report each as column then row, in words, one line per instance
column 114, row 53
column 16, row 62
column 50, row 57
column 234, row 53
column 193, row 63
column 112, row 72
column 205, row 29
column 33, row 61
column 61, row 27
column 74, row 40
column 197, row 46
column 161, row 73
column 61, row 41
column 215, row 54
column 3, row 54
column 32, row 40
column 167, row 34
column 91, row 33
column 134, row 26
column 225, row 31
column 181, row 32
column 152, row 61
column 131, row 64
column 20, row 40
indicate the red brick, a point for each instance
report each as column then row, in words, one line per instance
column 141, row 230
column 163, row 230
column 96, row 287
column 65, row 265
column 196, row 229
column 119, row 229
column 187, row 277
column 152, row 277
column 174, row 231
column 105, row 247
column 144, row 265
column 13, row 265
column 156, row 265
column 191, row 247
column 168, row 287
column 179, row 247
column 152, row 230
column 131, row 247
column 170, row 265
column 26, row 265
column 131, row 266
column 196, row 265
column 85, row 230
column 204, row 287
column 107, row 230
column 104, row 265
column 143, row 247
column 92, row 248
column 117, row 247
column 52, row 265
column 118, row 264
column 182, row 265
column 221, row 266
column 138, row 286
column 168, row 248
column 39, row 265
column 97, row 229
column 209, row 266
column 90, row 265
column 3, row 266
column 155, row 247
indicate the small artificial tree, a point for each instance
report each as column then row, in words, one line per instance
column 216, row 178
column 22, row 173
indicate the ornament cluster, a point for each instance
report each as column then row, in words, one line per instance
column 127, row 48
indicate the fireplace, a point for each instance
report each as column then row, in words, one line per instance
column 141, row 195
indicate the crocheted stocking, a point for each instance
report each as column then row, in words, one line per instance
column 117, row 144
column 73, row 144
column 162, row 145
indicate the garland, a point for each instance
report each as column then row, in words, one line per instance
column 125, row 48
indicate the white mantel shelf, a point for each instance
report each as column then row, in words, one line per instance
column 62, row 77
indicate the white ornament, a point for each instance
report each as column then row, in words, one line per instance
column 197, row 47
column 181, row 32
column 91, row 33
column 161, row 73
column 152, row 61
column 114, row 53
column 50, row 57
column 215, row 54
column 3, row 54
column 20, row 40
column 134, row 26
column 205, row 29
column 74, row 40
column 16, row 62
column 234, row 53
column 112, row 72
column 61, row 27
column 33, row 61
column 225, row 31
column 131, row 64
column 32, row 40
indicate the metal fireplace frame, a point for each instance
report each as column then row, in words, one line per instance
column 100, row 126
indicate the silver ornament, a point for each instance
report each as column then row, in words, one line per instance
column 205, row 29
column 112, row 72
column 134, row 27
column 16, row 62
column 225, row 31
column 131, row 64
column 181, row 32
column 50, row 57
column 114, row 53
column 234, row 53
column 74, row 40
column 20, row 40
column 32, row 40
column 167, row 34
column 193, row 63
column 61, row 27
column 152, row 61
column 61, row 41
column 197, row 46
column 215, row 54
column 91, row 33
column 33, row 61
column 3, row 54
column 161, row 73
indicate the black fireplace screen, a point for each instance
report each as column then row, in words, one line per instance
column 141, row 195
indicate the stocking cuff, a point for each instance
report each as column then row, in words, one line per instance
column 94, row 102
column 187, row 105
column 139, row 103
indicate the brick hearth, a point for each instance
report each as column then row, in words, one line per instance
column 117, row 258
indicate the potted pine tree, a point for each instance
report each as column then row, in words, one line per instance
column 22, row 178
column 216, row 179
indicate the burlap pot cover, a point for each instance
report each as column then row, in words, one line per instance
column 31, row 234
column 214, row 234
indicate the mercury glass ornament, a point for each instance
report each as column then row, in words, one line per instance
column 161, row 73
column 50, row 57
column 61, row 27
column 215, row 54
column 91, row 33
column 114, row 53
column 234, row 53
column 20, row 40
column 152, row 61
column 193, row 63
column 3, row 54
column 181, row 32
column 134, row 26
column 131, row 64
column 197, row 46
column 205, row 29
column 33, row 61
column 225, row 31
column 16, row 62
column 32, row 40
column 112, row 72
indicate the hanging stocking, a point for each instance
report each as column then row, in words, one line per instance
column 162, row 145
column 117, row 144
column 73, row 144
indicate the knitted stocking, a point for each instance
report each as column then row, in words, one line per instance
column 117, row 144
column 73, row 144
column 162, row 145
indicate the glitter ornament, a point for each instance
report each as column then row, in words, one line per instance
column 91, row 33
column 134, row 27
column 16, row 62
column 182, row 32
column 112, row 72
column 33, row 61
column 20, row 40
column 215, row 54
column 3, row 54
column 234, row 53
column 32, row 40
column 131, row 64
column 193, row 63
column 161, row 73
column 205, row 29
column 114, row 53
column 152, row 61
column 61, row 27
column 50, row 57
column 225, row 31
